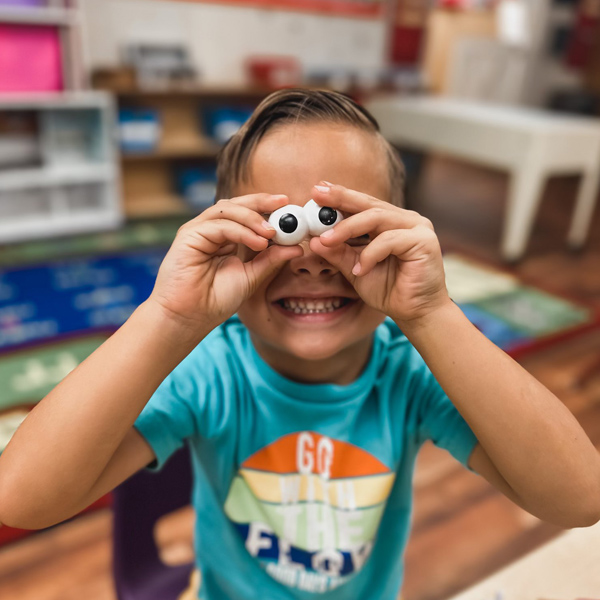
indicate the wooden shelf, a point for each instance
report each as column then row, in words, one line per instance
column 195, row 149
column 149, row 179
column 160, row 205
column 204, row 91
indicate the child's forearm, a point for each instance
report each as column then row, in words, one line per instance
column 64, row 445
column 533, row 440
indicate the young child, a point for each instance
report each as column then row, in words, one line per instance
column 303, row 378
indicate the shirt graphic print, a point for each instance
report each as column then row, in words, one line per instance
column 308, row 508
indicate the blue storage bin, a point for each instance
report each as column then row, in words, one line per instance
column 139, row 129
column 197, row 185
column 223, row 122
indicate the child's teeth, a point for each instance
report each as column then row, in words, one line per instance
column 301, row 306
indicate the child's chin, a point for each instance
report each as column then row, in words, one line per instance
column 313, row 351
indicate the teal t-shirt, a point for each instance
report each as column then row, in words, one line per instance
column 301, row 489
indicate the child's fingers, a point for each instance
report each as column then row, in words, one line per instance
column 353, row 203
column 342, row 257
column 213, row 234
column 260, row 203
column 344, row 199
column 227, row 209
column 405, row 244
column 371, row 221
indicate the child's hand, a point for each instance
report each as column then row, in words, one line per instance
column 202, row 281
column 398, row 268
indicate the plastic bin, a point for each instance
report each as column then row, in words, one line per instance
column 30, row 60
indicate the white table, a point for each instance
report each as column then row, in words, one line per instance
column 530, row 144
column 565, row 568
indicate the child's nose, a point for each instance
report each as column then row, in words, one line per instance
column 311, row 264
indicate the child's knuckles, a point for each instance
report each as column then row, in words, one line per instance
column 220, row 203
column 427, row 234
column 389, row 235
column 377, row 213
column 427, row 223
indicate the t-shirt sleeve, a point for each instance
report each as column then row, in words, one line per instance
column 189, row 402
column 440, row 421
column 168, row 418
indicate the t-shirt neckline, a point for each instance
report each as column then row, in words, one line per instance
column 317, row 392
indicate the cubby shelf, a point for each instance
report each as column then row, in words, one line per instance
column 55, row 176
column 71, row 181
column 149, row 187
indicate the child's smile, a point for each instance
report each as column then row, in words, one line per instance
column 308, row 318
column 314, row 308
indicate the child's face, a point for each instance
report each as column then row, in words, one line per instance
column 291, row 160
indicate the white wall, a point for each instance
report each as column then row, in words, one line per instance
column 220, row 36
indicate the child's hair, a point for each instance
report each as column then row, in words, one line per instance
column 300, row 106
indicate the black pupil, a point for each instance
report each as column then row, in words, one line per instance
column 288, row 223
column 327, row 215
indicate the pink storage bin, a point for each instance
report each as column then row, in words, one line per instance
column 30, row 60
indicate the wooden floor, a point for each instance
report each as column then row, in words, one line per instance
column 463, row 529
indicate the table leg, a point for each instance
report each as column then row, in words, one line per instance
column 584, row 207
column 523, row 202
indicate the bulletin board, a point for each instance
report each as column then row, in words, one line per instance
column 353, row 8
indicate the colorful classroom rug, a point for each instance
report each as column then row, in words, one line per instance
column 60, row 299
column 517, row 317
column 58, row 304
column 90, row 287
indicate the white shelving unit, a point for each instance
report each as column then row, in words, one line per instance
column 74, row 186
column 59, row 170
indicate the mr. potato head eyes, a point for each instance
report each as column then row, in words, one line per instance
column 293, row 223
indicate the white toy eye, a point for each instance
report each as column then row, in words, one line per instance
column 320, row 218
column 290, row 225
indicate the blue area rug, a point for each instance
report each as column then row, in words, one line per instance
column 98, row 293
column 38, row 303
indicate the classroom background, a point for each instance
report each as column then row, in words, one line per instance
column 111, row 115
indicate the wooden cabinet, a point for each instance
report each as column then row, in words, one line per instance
column 444, row 29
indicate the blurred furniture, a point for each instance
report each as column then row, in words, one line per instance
column 592, row 71
column 40, row 42
column 185, row 140
column 532, row 43
column 566, row 567
column 58, row 170
column 444, row 29
column 485, row 69
column 406, row 32
column 65, row 179
column 138, row 503
column 530, row 144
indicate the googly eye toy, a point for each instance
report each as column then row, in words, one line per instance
column 294, row 223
